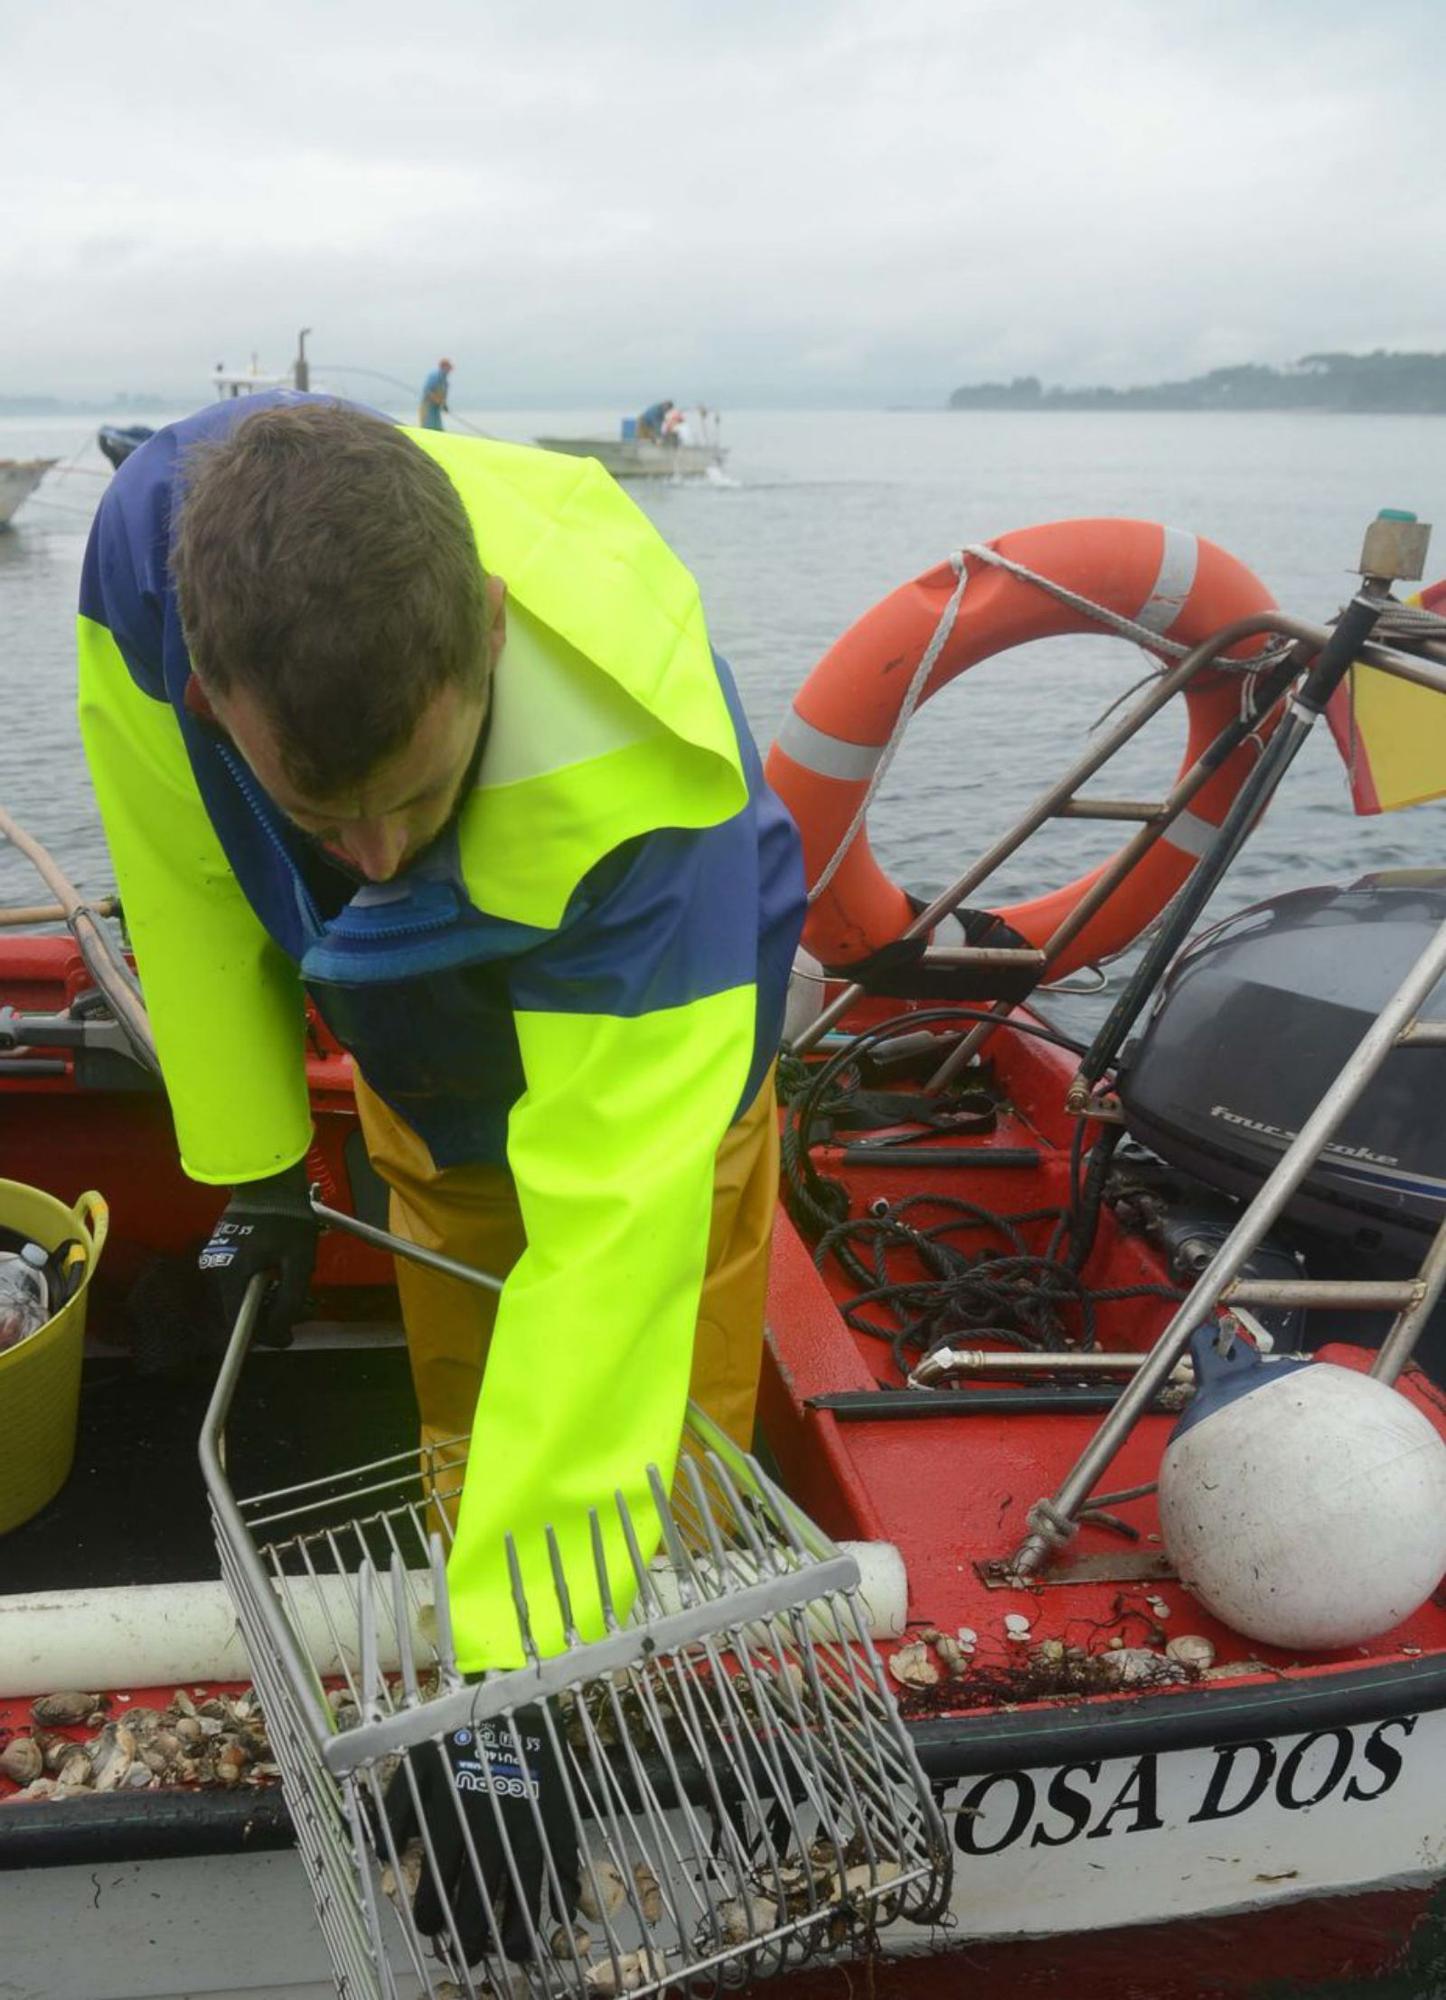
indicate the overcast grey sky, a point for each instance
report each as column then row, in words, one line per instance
column 816, row 201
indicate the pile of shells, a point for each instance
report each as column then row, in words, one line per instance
column 915, row 1666
column 937, row 1668
column 840, row 1891
column 197, row 1739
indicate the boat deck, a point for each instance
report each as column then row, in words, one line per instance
column 952, row 1490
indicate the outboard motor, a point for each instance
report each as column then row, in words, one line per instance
column 1253, row 1024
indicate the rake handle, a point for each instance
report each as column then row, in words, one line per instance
column 384, row 1239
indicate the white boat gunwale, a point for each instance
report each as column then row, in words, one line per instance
column 19, row 478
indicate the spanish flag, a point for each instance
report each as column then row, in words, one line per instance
column 1391, row 733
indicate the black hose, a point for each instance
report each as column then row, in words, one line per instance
column 1009, row 1293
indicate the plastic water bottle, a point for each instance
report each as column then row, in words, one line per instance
column 24, row 1294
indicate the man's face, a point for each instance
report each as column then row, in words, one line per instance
column 377, row 826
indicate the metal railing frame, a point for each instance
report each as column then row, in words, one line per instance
column 1052, row 1521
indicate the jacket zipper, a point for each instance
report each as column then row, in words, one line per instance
column 347, row 939
column 243, row 785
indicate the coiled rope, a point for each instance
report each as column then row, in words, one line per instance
column 957, row 1281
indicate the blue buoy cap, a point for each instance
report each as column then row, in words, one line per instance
column 1223, row 1377
column 1395, row 514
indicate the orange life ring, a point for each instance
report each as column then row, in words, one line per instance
column 1176, row 584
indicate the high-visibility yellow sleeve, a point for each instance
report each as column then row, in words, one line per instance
column 225, row 1002
column 612, row 1146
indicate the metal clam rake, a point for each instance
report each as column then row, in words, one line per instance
column 734, row 1791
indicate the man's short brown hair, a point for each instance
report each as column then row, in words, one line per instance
column 325, row 565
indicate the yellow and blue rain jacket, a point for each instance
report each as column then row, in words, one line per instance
column 583, row 978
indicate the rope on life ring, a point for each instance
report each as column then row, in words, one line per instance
column 1161, row 586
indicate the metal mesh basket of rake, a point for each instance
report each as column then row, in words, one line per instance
column 718, row 1789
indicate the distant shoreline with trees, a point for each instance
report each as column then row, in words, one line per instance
column 1378, row 384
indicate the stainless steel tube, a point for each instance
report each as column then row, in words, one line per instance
column 1400, row 1342
column 383, row 1239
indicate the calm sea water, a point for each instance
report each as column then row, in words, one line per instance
column 821, row 516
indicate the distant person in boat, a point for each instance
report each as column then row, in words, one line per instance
column 464, row 770
column 434, row 397
column 652, row 419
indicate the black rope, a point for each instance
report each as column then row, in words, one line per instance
column 1002, row 1292
column 817, row 1203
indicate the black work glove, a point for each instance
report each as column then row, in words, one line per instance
column 268, row 1226
column 480, row 1771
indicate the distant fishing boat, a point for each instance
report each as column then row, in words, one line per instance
column 690, row 452
column 229, row 382
column 19, row 478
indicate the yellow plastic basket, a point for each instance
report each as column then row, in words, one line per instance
column 40, row 1379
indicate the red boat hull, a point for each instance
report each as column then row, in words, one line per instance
column 1346, row 1940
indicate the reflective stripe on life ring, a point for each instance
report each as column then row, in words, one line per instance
column 1172, row 582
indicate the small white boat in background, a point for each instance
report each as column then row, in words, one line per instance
column 232, row 382
column 689, row 451
column 19, row 478
column 229, row 382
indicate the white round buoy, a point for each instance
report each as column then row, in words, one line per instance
column 807, row 989
column 1304, row 1504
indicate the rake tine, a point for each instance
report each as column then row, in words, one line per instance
column 767, row 1553
column 766, row 1747
column 559, row 1584
column 689, row 1688
column 402, row 1618
column 479, row 1877
column 519, row 1600
column 601, row 1576
column 648, row 1602
column 450, row 1678
column 678, row 1554
column 373, row 1688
